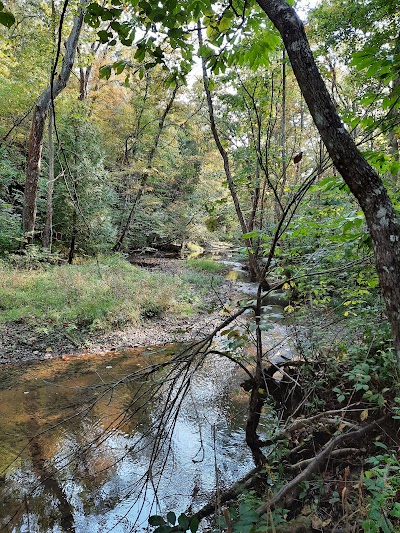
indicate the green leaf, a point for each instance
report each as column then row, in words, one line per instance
column 373, row 69
column 94, row 9
column 380, row 445
column 105, row 71
column 396, row 510
column 194, row 524
column 175, row 33
column 183, row 521
column 171, row 517
column 106, row 15
column 224, row 24
column 7, row 18
column 251, row 235
column 103, row 36
column 140, row 53
column 156, row 520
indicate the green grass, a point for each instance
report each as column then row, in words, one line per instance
column 94, row 296
column 205, row 265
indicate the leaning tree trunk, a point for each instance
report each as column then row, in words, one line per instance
column 35, row 143
column 47, row 238
column 362, row 180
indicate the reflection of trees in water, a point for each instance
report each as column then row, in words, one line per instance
column 112, row 427
column 61, row 510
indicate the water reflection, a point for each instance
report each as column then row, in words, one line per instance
column 85, row 448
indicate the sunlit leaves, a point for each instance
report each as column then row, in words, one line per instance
column 235, row 38
column 378, row 63
column 382, row 162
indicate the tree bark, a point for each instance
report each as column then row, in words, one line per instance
column 47, row 238
column 71, row 253
column 35, row 143
column 362, row 180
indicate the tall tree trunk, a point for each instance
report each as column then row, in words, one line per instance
column 362, row 180
column 47, row 238
column 145, row 175
column 35, row 142
column 253, row 266
column 282, row 185
column 84, row 76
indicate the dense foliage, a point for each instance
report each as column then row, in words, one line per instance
column 183, row 124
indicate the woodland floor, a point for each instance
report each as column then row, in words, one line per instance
column 20, row 343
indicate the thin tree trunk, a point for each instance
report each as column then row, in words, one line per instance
column 84, row 76
column 47, row 239
column 394, row 115
column 71, row 253
column 145, row 175
column 278, row 207
column 254, row 270
column 362, row 180
column 36, row 137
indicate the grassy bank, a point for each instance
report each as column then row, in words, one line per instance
column 97, row 296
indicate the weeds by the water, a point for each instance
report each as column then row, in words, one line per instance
column 207, row 265
column 105, row 295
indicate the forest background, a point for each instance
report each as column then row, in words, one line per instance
column 132, row 126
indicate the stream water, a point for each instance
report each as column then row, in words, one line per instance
column 74, row 452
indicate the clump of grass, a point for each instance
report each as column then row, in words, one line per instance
column 207, row 265
column 111, row 293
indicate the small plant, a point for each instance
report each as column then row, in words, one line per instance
column 382, row 482
column 207, row 265
column 152, row 310
column 172, row 523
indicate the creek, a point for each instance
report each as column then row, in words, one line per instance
column 74, row 452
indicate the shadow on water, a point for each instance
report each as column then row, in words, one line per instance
column 69, row 454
